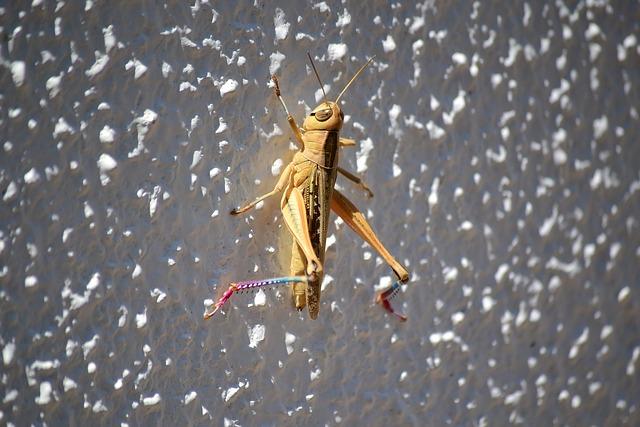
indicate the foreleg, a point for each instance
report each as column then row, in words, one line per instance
column 282, row 181
column 292, row 122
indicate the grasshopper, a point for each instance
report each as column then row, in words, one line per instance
column 308, row 195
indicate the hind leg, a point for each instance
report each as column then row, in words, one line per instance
column 358, row 223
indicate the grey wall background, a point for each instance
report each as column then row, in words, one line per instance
column 500, row 139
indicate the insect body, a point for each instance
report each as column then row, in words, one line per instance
column 307, row 184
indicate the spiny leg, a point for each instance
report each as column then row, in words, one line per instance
column 250, row 285
column 358, row 223
column 295, row 221
column 282, row 181
column 358, row 181
column 356, row 220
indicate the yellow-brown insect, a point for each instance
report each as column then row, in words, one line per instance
column 308, row 196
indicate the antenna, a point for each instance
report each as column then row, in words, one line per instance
column 318, row 76
column 353, row 78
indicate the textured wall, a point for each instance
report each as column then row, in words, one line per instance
column 500, row 139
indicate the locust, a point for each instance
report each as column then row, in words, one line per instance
column 308, row 197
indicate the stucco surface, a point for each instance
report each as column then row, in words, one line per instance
column 500, row 140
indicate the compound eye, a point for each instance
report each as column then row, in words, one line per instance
column 323, row 115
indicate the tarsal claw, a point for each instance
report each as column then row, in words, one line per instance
column 384, row 297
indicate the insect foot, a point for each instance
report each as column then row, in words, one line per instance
column 223, row 299
column 384, row 297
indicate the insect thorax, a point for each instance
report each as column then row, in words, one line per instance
column 321, row 147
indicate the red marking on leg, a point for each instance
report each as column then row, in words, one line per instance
column 383, row 299
column 223, row 299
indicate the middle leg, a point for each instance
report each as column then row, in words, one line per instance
column 358, row 181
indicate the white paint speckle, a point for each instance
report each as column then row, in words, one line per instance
column 631, row 366
column 501, row 272
column 256, row 335
column 32, row 177
column 281, row 25
column 276, row 167
column 434, row 103
column 158, row 295
column 276, row 59
column 98, row 66
column 433, row 195
column 600, row 126
column 388, row 44
column 362, row 155
column 10, row 191
column 487, row 303
column 336, row 51
column 106, row 163
column 229, row 393
column 18, row 71
column 8, row 351
column 30, row 281
column 107, row 135
column 623, row 294
column 109, row 38
column 189, row 397
column 141, row 319
column 152, row 400
column 46, row 390
column 289, row 340
column 68, row 384
column 53, row 85
column 457, row 317
column 459, row 58
column 137, row 270
column 260, row 299
column 228, row 87
column 435, row 131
